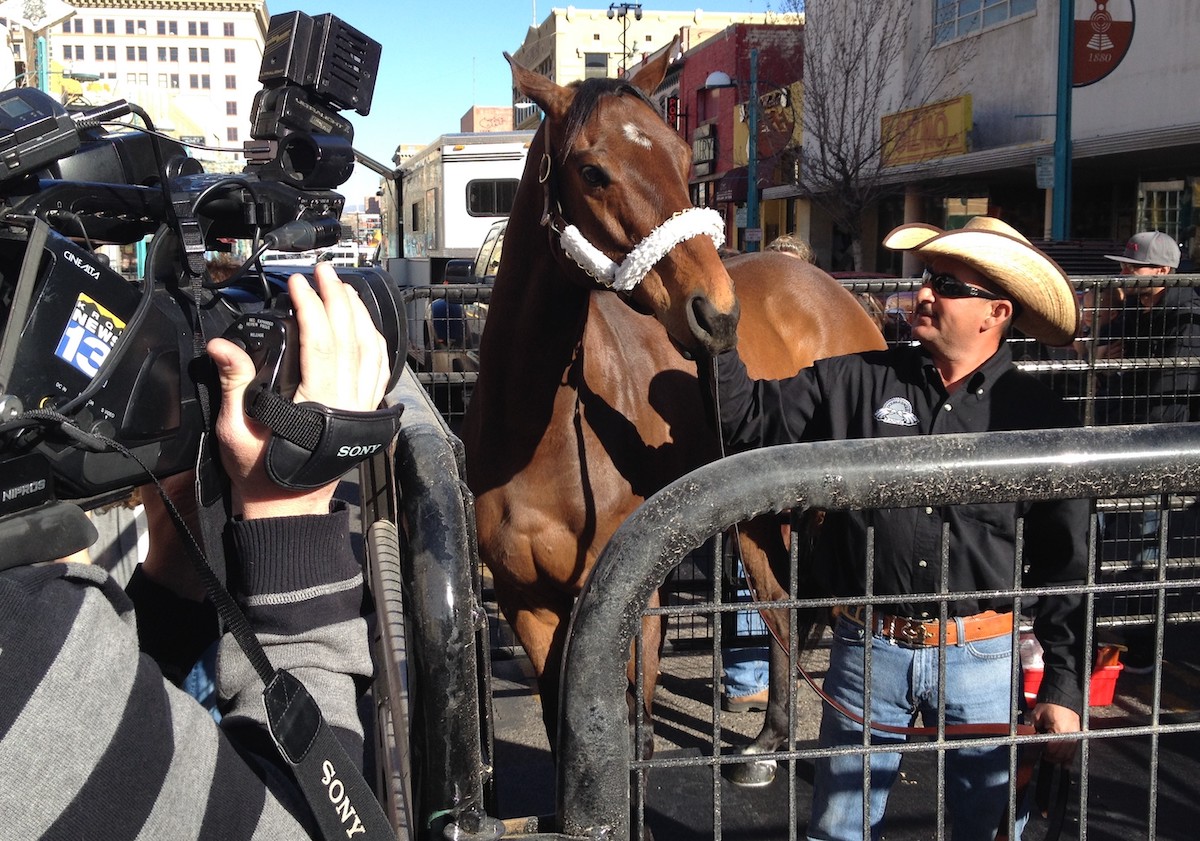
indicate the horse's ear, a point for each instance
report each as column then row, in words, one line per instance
column 652, row 72
column 551, row 98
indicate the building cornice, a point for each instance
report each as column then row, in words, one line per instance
column 256, row 7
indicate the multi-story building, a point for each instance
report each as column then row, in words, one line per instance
column 989, row 145
column 572, row 44
column 191, row 64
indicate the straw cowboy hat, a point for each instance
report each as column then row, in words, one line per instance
column 1049, row 311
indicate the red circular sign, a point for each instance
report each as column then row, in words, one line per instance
column 1103, row 33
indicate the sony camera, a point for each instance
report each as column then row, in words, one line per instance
column 99, row 374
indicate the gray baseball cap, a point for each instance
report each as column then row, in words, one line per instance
column 1150, row 248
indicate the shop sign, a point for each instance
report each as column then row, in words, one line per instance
column 1103, row 33
column 704, row 150
column 939, row 130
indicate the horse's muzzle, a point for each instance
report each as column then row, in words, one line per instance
column 713, row 330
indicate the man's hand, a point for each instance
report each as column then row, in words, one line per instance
column 1051, row 718
column 343, row 365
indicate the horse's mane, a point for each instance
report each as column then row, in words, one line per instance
column 588, row 93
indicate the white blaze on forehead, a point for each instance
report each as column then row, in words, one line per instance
column 636, row 135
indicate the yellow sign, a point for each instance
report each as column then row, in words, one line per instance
column 939, row 130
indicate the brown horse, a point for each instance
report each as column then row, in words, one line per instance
column 586, row 401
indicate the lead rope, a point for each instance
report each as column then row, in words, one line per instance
column 1025, row 765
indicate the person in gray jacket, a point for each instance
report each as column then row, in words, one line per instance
column 96, row 741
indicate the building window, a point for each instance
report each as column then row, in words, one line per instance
column 230, row 56
column 68, row 52
column 99, row 53
column 130, row 53
column 163, row 80
column 231, row 108
column 231, row 134
column 230, row 83
column 204, row 29
column 204, row 55
column 193, row 54
column 78, row 25
column 205, row 82
column 110, row 53
column 193, row 81
column 129, row 28
column 192, row 28
column 228, row 30
column 957, row 18
column 162, row 53
column 595, row 65
column 131, row 78
column 175, row 80
column 195, row 28
column 162, row 27
column 98, row 26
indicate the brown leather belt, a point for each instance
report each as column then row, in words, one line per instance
column 917, row 633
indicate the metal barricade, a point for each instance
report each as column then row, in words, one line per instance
column 599, row 779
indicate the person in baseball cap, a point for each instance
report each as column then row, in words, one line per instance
column 1148, row 254
column 1149, row 248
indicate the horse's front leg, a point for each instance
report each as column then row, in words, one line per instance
column 653, row 633
column 764, row 558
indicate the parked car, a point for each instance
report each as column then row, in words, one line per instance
column 456, row 325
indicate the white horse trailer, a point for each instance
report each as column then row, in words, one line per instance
column 450, row 194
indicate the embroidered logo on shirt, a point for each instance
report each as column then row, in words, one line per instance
column 897, row 411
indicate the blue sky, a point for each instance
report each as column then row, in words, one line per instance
column 440, row 57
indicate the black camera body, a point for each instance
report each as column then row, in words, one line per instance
column 88, row 357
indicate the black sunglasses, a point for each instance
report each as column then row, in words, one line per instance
column 948, row 286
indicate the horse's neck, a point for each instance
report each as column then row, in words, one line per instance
column 536, row 316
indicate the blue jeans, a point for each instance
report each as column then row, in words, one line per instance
column 904, row 683
column 745, row 668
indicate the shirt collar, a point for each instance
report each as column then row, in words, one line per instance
column 991, row 370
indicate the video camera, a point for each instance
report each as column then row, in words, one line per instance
column 89, row 359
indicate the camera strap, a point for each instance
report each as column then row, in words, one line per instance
column 340, row 800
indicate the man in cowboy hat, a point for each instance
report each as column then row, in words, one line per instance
column 960, row 377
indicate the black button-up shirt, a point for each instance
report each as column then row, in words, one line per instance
column 897, row 393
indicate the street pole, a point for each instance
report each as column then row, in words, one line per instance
column 752, row 157
column 622, row 11
column 1060, row 228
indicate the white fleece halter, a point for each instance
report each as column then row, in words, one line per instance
column 693, row 222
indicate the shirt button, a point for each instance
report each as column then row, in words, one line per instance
column 980, row 391
column 922, row 565
column 947, row 407
column 924, row 614
column 928, row 510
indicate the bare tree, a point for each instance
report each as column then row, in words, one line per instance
column 864, row 59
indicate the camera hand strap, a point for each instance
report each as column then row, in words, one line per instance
column 312, row 445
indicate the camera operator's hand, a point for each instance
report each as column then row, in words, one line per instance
column 343, row 365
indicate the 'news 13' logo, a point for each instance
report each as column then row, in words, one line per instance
column 90, row 335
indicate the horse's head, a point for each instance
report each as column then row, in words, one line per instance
column 615, row 181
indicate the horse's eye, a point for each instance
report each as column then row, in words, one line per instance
column 594, row 176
